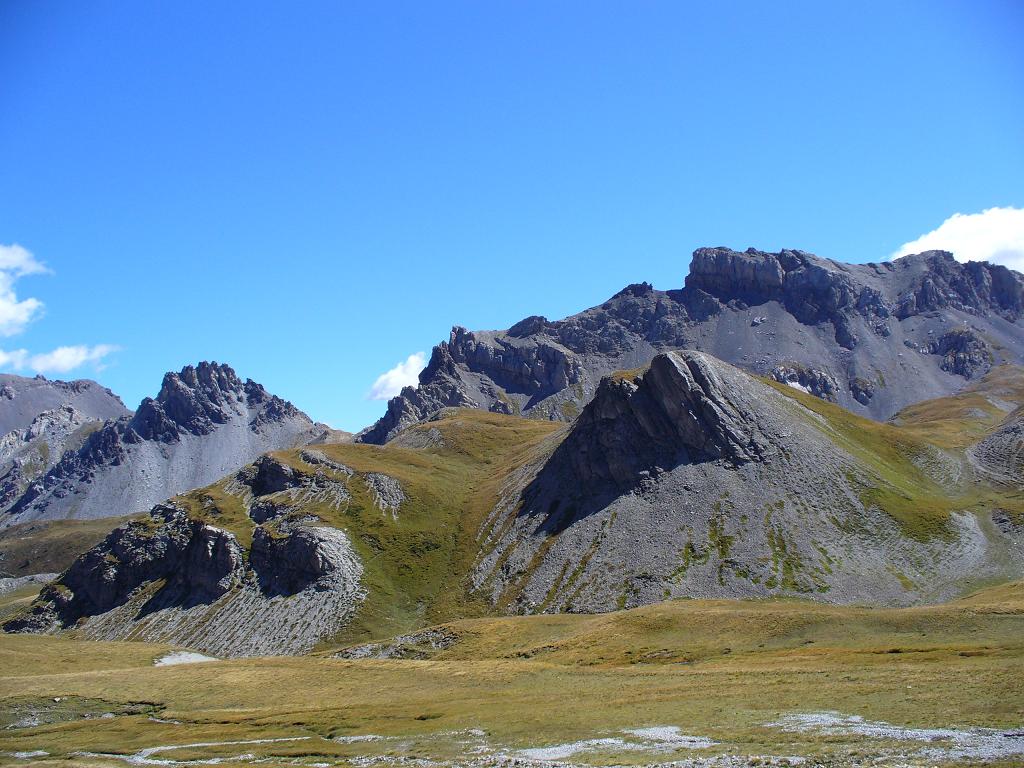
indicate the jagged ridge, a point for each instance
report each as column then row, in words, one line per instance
column 204, row 422
column 871, row 328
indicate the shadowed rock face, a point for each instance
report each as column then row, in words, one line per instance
column 286, row 565
column 681, row 410
column 873, row 329
column 194, row 558
column 204, row 423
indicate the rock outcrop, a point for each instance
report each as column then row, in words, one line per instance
column 27, row 454
column 870, row 323
column 176, row 578
column 963, row 352
column 810, row 380
column 679, row 411
column 1000, row 456
column 204, row 423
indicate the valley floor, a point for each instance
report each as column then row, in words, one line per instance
column 692, row 683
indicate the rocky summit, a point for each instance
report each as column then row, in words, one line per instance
column 871, row 337
column 204, row 423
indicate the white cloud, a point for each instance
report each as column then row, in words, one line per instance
column 15, row 359
column 406, row 374
column 995, row 235
column 60, row 360
column 17, row 262
column 15, row 315
column 64, row 359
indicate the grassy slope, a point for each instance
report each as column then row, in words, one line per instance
column 416, row 566
column 49, row 547
column 891, row 454
column 721, row 669
column 968, row 416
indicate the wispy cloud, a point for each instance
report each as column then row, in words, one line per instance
column 64, row 359
column 995, row 235
column 16, row 314
column 406, row 374
column 60, row 360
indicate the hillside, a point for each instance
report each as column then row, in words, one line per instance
column 690, row 478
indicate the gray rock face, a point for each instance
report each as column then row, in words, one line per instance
column 818, row 383
column 387, row 492
column 679, row 411
column 23, row 399
column 878, row 325
column 167, row 545
column 173, row 578
column 963, row 352
column 271, row 490
column 1000, row 456
column 26, row 454
column 288, row 564
column 204, row 423
column 696, row 479
column 12, row 584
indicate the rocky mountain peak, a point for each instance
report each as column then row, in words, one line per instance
column 204, row 422
column 687, row 407
column 199, row 398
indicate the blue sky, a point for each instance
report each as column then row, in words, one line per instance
column 314, row 191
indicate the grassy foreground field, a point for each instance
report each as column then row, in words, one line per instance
column 576, row 689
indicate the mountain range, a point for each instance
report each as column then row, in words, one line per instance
column 784, row 425
column 855, row 334
column 104, row 461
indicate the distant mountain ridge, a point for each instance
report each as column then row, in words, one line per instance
column 22, row 399
column 872, row 337
column 204, row 423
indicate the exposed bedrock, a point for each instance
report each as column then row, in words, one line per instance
column 165, row 576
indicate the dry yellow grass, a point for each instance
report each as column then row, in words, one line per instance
column 721, row 669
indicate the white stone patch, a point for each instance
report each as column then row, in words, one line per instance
column 358, row 738
column 660, row 738
column 146, row 756
column 29, row 755
column 670, row 734
column 182, row 657
column 562, row 751
column 948, row 743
